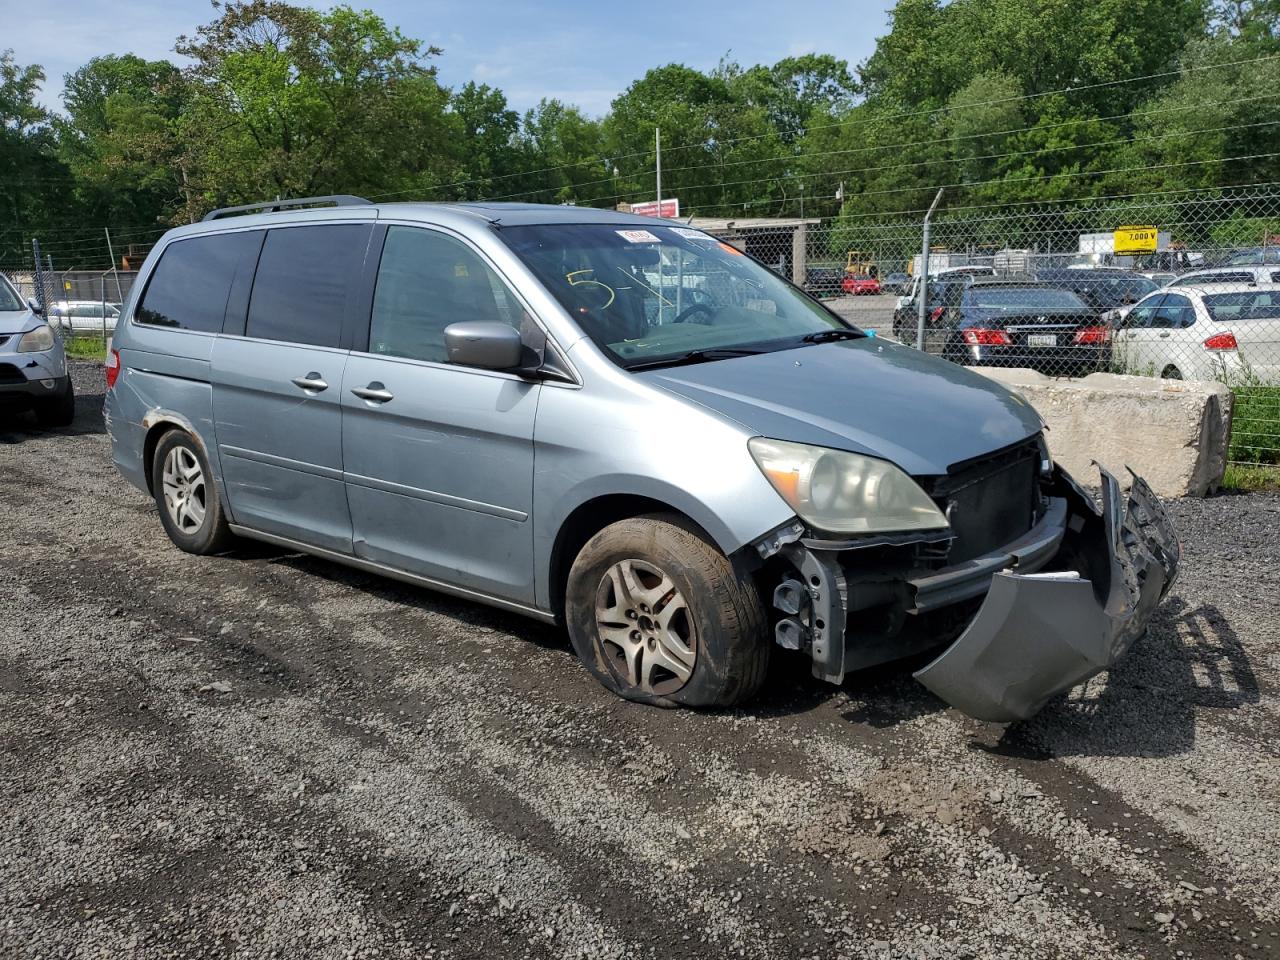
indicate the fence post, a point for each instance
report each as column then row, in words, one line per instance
column 103, row 294
column 922, row 305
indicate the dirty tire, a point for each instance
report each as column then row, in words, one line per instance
column 212, row 534
column 60, row 410
column 724, row 608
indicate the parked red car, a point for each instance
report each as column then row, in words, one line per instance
column 856, row 286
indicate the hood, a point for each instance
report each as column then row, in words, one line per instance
column 17, row 321
column 867, row 396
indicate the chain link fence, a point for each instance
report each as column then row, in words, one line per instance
column 82, row 304
column 1180, row 285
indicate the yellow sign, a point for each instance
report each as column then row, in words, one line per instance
column 1131, row 240
column 67, row 284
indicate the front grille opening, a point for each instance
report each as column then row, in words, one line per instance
column 990, row 501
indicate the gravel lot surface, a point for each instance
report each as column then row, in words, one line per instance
column 266, row 755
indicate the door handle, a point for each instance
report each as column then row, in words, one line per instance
column 1164, row 333
column 374, row 393
column 312, row 381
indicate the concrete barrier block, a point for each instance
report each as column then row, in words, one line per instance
column 1172, row 432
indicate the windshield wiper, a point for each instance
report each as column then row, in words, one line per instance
column 696, row 356
column 827, row 336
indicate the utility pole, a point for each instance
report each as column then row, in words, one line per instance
column 657, row 153
column 114, row 267
column 922, row 305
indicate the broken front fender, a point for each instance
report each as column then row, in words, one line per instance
column 1037, row 635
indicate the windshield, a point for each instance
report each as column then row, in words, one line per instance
column 1021, row 299
column 1244, row 305
column 660, row 293
column 9, row 299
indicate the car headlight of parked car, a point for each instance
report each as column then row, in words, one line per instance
column 37, row 341
column 841, row 492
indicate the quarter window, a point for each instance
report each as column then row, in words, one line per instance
column 426, row 281
column 189, row 287
column 303, row 278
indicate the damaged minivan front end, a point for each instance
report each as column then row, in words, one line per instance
column 1066, row 587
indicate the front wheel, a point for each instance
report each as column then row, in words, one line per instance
column 659, row 615
column 58, row 410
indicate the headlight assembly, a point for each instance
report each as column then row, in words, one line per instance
column 841, row 492
column 37, row 341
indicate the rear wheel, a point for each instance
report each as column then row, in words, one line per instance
column 187, row 496
column 58, row 410
column 659, row 615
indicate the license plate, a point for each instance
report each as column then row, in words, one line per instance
column 1042, row 340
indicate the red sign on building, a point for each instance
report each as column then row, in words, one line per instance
column 669, row 209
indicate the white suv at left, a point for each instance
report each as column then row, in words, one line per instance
column 1212, row 332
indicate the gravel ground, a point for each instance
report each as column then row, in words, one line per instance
column 266, row 755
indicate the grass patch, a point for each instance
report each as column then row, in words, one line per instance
column 1251, row 478
column 1255, row 424
column 85, row 348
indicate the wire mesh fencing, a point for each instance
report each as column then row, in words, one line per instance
column 83, row 305
column 1182, row 286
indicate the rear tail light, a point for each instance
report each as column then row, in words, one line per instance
column 1221, row 341
column 1086, row 335
column 113, row 368
column 978, row 337
column 935, row 314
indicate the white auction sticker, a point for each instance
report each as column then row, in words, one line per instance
column 692, row 234
column 638, row 236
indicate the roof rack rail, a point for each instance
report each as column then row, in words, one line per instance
column 271, row 206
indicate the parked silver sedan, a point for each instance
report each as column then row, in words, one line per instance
column 33, row 366
column 625, row 426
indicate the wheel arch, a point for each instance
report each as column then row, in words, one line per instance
column 157, row 423
column 592, row 516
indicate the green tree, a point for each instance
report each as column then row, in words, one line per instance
column 286, row 100
column 712, row 143
column 33, row 182
column 486, row 130
column 119, row 139
column 562, row 152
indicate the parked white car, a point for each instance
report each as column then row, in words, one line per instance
column 83, row 316
column 1251, row 273
column 1203, row 333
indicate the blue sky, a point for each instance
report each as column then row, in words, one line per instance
column 581, row 52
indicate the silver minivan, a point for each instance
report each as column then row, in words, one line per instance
column 626, row 426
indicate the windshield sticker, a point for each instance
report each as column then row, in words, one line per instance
column 637, row 236
column 692, row 234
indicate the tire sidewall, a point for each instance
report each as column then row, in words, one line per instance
column 602, row 552
column 203, row 539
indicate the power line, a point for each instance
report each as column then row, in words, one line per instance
column 1008, row 180
column 941, row 160
column 841, row 123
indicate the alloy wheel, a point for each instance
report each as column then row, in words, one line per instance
column 646, row 628
column 184, row 489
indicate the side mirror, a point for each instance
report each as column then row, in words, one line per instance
column 485, row 344
column 35, row 307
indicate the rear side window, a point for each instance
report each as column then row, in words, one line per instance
column 303, row 279
column 1243, row 305
column 189, row 287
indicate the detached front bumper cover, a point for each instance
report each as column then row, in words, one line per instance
column 1037, row 635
